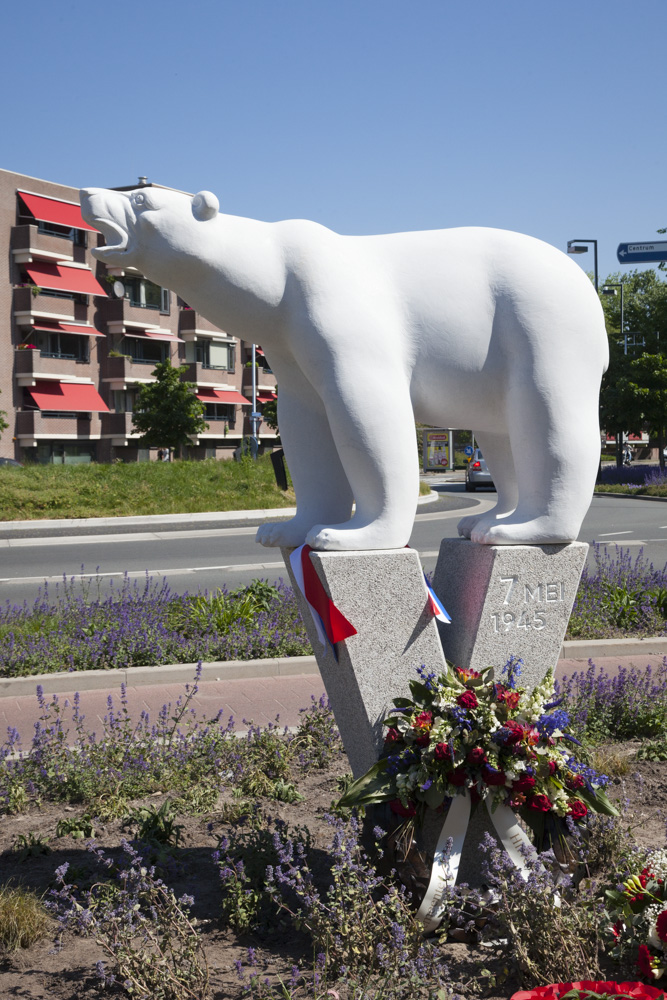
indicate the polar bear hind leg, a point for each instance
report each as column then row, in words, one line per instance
column 497, row 451
column 556, row 449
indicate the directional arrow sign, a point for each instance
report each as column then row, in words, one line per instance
column 641, row 253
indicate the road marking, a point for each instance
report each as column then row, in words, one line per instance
column 605, row 534
column 140, row 573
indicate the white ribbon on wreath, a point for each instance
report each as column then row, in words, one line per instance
column 446, row 861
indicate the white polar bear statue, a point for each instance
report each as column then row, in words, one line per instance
column 476, row 328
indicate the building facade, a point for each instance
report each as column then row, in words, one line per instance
column 78, row 339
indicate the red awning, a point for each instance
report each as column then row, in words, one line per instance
column 62, row 278
column 266, row 397
column 68, row 396
column 62, row 213
column 83, row 331
column 163, row 336
column 221, row 396
column 258, row 350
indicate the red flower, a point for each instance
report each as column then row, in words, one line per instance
column 476, row 757
column 422, row 721
column 661, row 926
column 575, row 781
column 457, row 777
column 644, row 961
column 541, row 803
column 552, row 766
column 467, row 700
column 397, row 807
column 493, row 777
column 556, row 990
column 466, row 674
column 507, row 696
column 524, row 784
column 392, row 735
column 442, row 751
column 578, row 809
column 423, row 741
column 512, row 733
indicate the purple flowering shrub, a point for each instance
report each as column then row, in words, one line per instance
column 192, row 756
column 629, row 704
column 144, row 623
column 153, row 945
column 363, row 926
column 620, row 596
column 544, row 941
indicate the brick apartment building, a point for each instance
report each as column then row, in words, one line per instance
column 77, row 339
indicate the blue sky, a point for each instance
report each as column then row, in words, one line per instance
column 366, row 115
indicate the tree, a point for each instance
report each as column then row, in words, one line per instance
column 270, row 412
column 3, row 423
column 634, row 389
column 167, row 413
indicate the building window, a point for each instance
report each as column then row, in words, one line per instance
column 220, row 411
column 124, row 400
column 144, row 351
column 142, row 293
column 210, row 354
column 77, row 236
column 63, row 345
column 165, row 301
column 65, row 453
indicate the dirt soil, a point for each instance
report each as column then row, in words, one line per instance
column 39, row 972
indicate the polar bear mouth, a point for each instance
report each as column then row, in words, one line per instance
column 115, row 236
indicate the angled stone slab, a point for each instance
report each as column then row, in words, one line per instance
column 382, row 593
column 507, row 600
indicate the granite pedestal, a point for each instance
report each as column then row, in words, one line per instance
column 383, row 594
column 507, row 600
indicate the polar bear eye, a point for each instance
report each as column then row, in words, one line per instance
column 205, row 206
column 138, row 199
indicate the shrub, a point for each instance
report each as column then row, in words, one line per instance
column 153, row 944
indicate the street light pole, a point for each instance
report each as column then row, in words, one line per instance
column 572, row 247
column 253, row 416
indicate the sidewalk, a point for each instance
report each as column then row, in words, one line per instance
column 257, row 699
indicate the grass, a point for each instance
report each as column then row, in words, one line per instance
column 23, row 918
column 141, row 488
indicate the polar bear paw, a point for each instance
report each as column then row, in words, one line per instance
column 281, row 534
column 535, row 531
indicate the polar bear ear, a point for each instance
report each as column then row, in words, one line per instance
column 205, row 206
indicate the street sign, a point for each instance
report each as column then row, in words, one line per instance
column 468, row 450
column 641, row 253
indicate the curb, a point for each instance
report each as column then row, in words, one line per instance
column 630, row 496
column 183, row 673
column 163, row 520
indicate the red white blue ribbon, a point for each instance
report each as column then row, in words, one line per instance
column 331, row 624
column 436, row 607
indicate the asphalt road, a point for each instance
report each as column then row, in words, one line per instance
column 207, row 556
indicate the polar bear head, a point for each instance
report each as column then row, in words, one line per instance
column 149, row 227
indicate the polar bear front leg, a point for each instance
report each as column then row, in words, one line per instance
column 322, row 490
column 497, row 451
column 373, row 427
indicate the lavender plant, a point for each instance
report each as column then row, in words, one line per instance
column 627, row 705
column 619, row 596
column 143, row 623
column 153, row 944
column 361, row 925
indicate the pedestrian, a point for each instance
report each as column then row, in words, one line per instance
column 160, row 455
column 627, row 455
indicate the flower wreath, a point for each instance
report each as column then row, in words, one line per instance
column 638, row 911
column 464, row 734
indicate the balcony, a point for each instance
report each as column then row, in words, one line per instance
column 267, row 380
column 28, row 244
column 120, row 314
column 29, row 308
column 217, row 378
column 191, row 322
column 33, row 425
column 118, row 427
column 119, row 373
column 32, row 365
